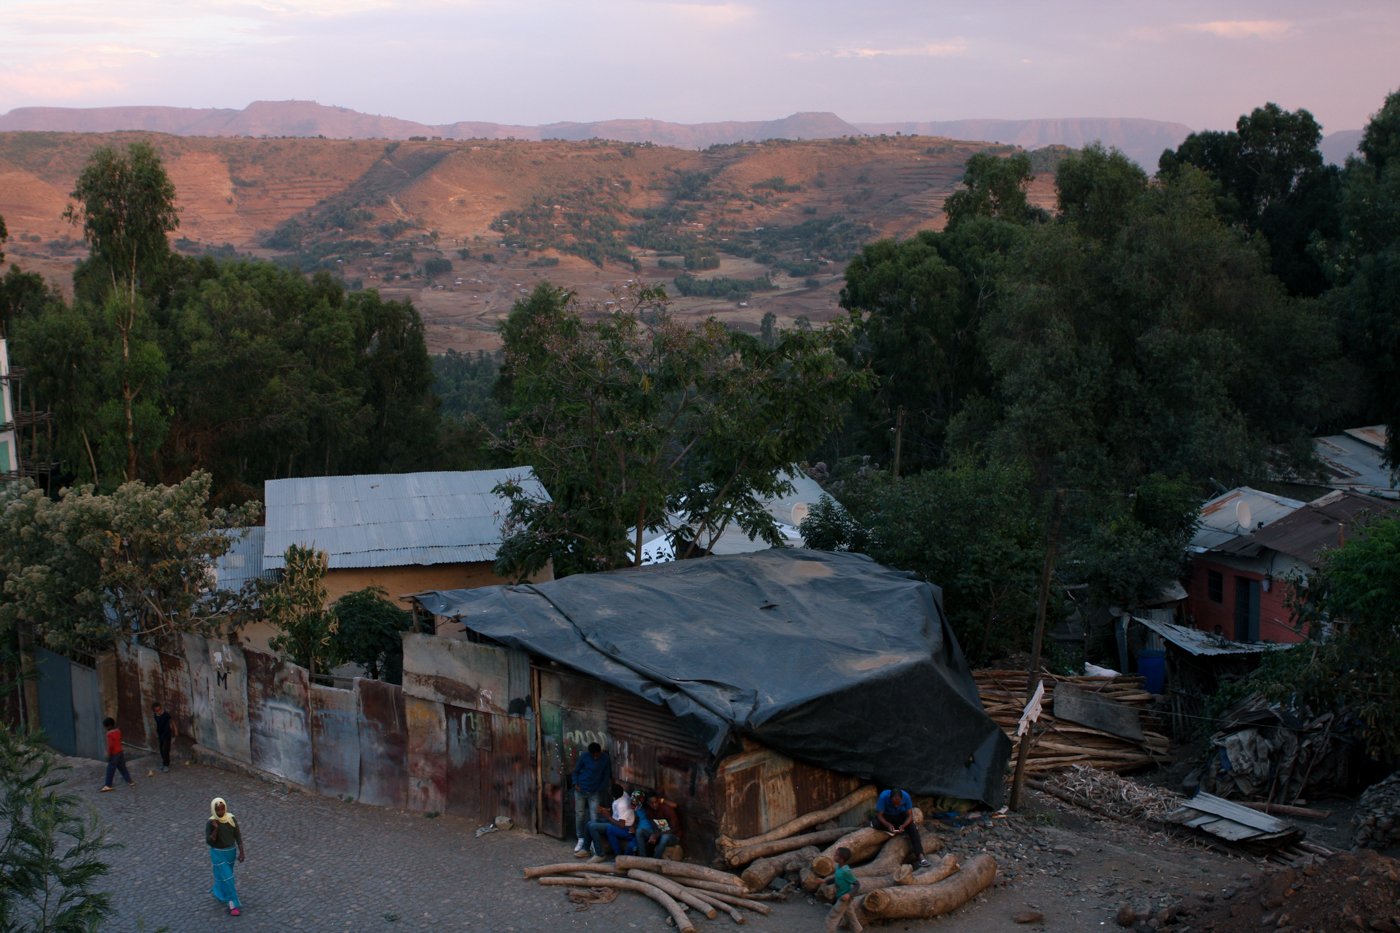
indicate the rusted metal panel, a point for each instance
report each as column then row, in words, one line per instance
column 466, row 674
column 219, row 694
column 383, row 741
column 759, row 789
column 468, row 757
column 177, row 695
column 278, row 726
column 552, row 772
column 510, row 781
column 490, row 766
column 131, row 700
column 427, row 754
column 335, row 741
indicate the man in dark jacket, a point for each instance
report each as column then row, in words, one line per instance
column 592, row 775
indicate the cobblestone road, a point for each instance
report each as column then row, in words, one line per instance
column 320, row 864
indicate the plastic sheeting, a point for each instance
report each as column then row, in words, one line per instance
column 826, row 657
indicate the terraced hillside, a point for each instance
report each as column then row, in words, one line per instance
column 464, row 227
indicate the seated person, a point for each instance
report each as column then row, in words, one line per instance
column 666, row 827
column 894, row 813
column 616, row 831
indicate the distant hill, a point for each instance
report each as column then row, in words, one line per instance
column 1140, row 140
column 737, row 230
column 1337, row 146
column 1143, row 140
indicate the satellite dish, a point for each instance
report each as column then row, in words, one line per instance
column 799, row 512
column 1243, row 517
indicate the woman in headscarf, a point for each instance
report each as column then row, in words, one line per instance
column 225, row 842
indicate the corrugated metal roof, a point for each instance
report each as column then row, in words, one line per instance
column 1239, row 512
column 1197, row 643
column 1323, row 523
column 243, row 561
column 788, row 510
column 1356, row 460
column 391, row 519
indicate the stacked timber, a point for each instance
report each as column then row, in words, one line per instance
column 1122, row 733
column 880, row 860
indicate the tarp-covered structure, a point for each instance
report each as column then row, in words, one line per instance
column 829, row 658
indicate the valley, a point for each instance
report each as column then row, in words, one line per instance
column 463, row 228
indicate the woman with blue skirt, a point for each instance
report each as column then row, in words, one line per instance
column 225, row 844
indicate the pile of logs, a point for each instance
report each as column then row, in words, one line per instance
column 799, row 850
column 1059, row 743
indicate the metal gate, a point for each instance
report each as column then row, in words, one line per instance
column 70, row 705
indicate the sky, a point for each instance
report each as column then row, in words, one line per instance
column 529, row 62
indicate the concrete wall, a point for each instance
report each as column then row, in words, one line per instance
column 1211, row 615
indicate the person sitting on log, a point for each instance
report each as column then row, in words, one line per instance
column 666, row 827
column 616, row 831
column 894, row 813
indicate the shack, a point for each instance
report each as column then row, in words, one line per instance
column 751, row 688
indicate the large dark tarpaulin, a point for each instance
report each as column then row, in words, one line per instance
column 829, row 658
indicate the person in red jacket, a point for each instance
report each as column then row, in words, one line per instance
column 116, row 758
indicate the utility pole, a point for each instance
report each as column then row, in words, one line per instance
column 1033, row 680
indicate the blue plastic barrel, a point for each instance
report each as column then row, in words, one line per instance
column 1152, row 665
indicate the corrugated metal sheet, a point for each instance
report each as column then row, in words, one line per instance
column 393, row 519
column 383, row 744
column 278, row 726
column 243, row 561
column 1224, row 518
column 1356, row 460
column 1323, row 523
column 335, row 741
column 1197, row 643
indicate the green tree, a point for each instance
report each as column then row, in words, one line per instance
column 51, row 857
column 994, row 186
column 127, row 208
column 966, row 529
column 1274, row 183
column 370, row 633
column 1367, row 270
column 636, row 415
column 1352, row 658
column 126, row 205
column 295, row 605
column 86, row 570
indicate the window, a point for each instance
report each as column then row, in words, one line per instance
column 1215, row 586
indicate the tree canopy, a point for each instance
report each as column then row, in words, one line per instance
column 633, row 416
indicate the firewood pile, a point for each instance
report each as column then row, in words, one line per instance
column 1377, row 820
column 774, row 864
column 1111, row 795
column 1060, row 743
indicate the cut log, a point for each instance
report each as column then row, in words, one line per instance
column 747, row 902
column 568, row 868
column 827, row 892
column 747, row 854
column 916, row 902
column 805, row 821
column 941, row 869
column 761, row 872
column 672, row 869
column 718, row 904
column 683, row 924
column 676, row 890
column 863, row 843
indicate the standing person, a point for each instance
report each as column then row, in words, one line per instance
column 116, row 758
column 847, row 884
column 894, row 813
column 591, row 775
column 225, row 840
column 666, row 827
column 165, row 731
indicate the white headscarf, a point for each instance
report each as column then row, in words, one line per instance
column 214, row 812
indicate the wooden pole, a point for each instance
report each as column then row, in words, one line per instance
column 1047, row 572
